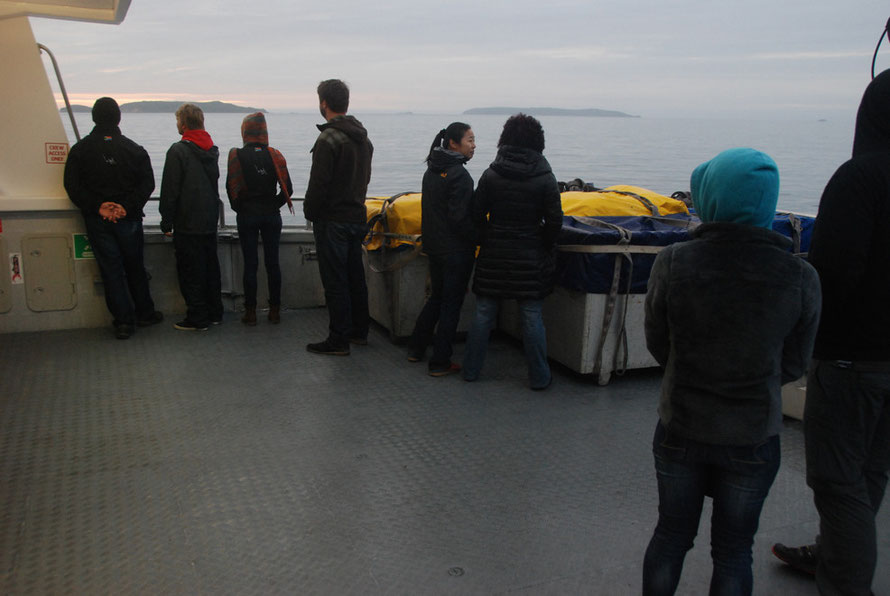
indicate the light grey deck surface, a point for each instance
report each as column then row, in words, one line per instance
column 234, row 462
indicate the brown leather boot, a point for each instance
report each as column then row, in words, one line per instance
column 249, row 317
column 274, row 313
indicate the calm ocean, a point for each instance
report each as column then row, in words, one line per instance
column 658, row 154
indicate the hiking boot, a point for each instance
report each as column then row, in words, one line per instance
column 123, row 331
column 186, row 325
column 802, row 558
column 249, row 317
column 152, row 319
column 329, row 347
column 441, row 371
column 274, row 314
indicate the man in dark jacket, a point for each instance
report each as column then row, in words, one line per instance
column 335, row 204
column 109, row 177
column 189, row 212
column 847, row 413
column 731, row 315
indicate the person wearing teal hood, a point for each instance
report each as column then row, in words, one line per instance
column 731, row 315
column 847, row 414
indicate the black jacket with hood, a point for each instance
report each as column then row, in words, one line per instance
column 341, row 170
column 850, row 247
column 107, row 166
column 447, row 204
column 520, row 196
column 189, row 189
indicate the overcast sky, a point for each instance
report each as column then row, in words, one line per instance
column 655, row 58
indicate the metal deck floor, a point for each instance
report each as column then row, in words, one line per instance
column 234, row 462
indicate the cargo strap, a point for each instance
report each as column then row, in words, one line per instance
column 653, row 209
column 622, row 251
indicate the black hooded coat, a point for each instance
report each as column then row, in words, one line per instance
column 520, row 196
column 850, row 249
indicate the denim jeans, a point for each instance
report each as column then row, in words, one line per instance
column 339, row 249
column 449, row 276
column 250, row 227
column 534, row 339
column 119, row 253
column 737, row 478
column 197, row 265
column 847, row 434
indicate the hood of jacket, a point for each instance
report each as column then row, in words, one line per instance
column 738, row 186
column 519, row 162
column 442, row 159
column 873, row 118
column 349, row 126
column 209, row 159
column 254, row 129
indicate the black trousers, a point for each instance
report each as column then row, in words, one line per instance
column 197, row 265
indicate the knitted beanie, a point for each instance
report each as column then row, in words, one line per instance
column 106, row 112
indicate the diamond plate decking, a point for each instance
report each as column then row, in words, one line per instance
column 234, row 462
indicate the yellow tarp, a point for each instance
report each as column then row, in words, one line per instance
column 402, row 214
column 611, row 201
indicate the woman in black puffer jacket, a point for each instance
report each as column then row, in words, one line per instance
column 519, row 195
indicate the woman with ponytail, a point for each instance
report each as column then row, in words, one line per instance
column 449, row 240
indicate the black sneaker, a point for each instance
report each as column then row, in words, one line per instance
column 441, row 371
column 801, row 558
column 186, row 325
column 152, row 319
column 329, row 347
column 123, row 331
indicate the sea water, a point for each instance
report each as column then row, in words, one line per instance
column 657, row 154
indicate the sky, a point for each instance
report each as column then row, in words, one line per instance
column 760, row 59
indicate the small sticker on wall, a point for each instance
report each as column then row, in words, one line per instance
column 15, row 268
column 82, row 247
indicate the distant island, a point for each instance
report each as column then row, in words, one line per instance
column 501, row 111
column 169, row 107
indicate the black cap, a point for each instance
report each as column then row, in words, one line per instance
column 106, row 112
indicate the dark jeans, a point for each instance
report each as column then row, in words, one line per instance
column 847, row 433
column 250, row 227
column 737, row 478
column 197, row 264
column 119, row 253
column 339, row 249
column 449, row 276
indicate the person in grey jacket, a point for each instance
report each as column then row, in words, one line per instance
column 190, row 212
column 731, row 315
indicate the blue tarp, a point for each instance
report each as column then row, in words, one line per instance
column 592, row 273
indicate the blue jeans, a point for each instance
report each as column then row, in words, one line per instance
column 737, row 478
column 250, row 227
column 847, row 434
column 534, row 339
column 119, row 253
column 449, row 276
column 339, row 249
column 197, row 265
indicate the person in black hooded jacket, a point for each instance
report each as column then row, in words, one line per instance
column 449, row 241
column 520, row 197
column 847, row 413
column 189, row 212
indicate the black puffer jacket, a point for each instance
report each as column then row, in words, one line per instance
column 189, row 189
column 519, row 194
column 447, row 204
